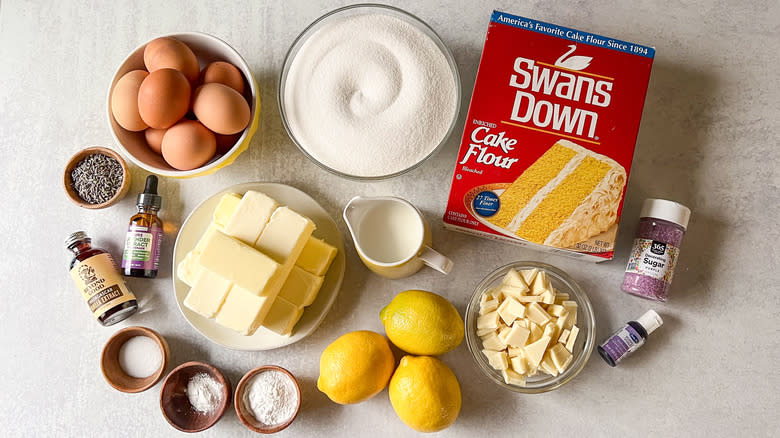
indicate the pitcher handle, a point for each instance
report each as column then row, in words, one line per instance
column 436, row 260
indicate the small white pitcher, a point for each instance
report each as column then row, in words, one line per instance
column 391, row 236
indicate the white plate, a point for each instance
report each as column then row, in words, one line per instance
column 263, row 339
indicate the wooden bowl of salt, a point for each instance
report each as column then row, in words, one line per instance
column 130, row 360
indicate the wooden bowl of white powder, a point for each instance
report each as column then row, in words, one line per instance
column 369, row 92
column 267, row 399
column 194, row 396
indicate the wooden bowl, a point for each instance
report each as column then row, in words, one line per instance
column 175, row 405
column 76, row 159
column 243, row 412
column 112, row 371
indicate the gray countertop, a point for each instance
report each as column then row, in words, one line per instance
column 708, row 139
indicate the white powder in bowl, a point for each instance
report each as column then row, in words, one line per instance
column 140, row 357
column 271, row 397
column 369, row 95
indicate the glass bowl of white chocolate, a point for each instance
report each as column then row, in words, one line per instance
column 530, row 327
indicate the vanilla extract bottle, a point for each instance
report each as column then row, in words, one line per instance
column 96, row 275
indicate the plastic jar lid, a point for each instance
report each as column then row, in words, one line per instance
column 666, row 210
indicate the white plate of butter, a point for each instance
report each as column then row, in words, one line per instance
column 257, row 266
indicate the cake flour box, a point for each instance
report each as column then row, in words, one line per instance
column 549, row 137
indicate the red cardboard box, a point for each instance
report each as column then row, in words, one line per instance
column 549, row 138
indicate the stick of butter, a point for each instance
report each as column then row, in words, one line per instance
column 283, row 316
column 301, row 287
column 250, row 217
column 316, row 256
column 243, row 311
column 207, row 293
column 239, row 263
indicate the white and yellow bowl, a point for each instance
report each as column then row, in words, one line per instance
column 208, row 49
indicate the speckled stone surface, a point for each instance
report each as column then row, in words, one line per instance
column 708, row 139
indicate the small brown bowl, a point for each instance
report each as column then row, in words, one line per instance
column 76, row 159
column 175, row 405
column 112, row 371
column 246, row 416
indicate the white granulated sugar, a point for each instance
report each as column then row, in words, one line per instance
column 271, row 397
column 140, row 357
column 370, row 95
column 204, row 393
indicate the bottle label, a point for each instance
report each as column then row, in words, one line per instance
column 142, row 247
column 653, row 258
column 624, row 342
column 100, row 284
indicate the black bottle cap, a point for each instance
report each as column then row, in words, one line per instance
column 149, row 198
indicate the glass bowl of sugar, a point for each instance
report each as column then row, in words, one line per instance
column 369, row 92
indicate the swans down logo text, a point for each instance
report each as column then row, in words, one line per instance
column 531, row 78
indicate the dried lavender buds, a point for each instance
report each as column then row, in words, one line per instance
column 97, row 178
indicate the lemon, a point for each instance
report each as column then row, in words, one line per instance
column 422, row 323
column 425, row 393
column 355, row 367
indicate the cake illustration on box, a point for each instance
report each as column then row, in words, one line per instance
column 567, row 196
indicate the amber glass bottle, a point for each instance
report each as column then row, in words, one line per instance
column 96, row 276
column 141, row 257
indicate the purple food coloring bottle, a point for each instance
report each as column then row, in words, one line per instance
column 651, row 263
column 629, row 338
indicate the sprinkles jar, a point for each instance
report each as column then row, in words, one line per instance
column 651, row 263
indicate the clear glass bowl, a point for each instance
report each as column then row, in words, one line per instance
column 361, row 9
column 583, row 346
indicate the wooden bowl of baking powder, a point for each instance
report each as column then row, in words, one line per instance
column 267, row 399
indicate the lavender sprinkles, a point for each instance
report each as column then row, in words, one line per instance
column 97, row 178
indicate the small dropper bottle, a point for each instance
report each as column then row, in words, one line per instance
column 629, row 338
column 141, row 257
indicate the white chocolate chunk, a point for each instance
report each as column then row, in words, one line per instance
column 536, row 332
column 571, row 308
column 510, row 310
column 555, row 309
column 572, row 337
column 488, row 320
column 530, row 299
column 560, row 297
column 514, row 351
column 564, row 336
column 537, row 314
column 488, row 306
column 535, row 351
column 512, row 378
column 529, row 275
column 548, row 297
column 518, row 364
column 485, row 331
column 547, row 365
column 513, row 278
column 561, row 357
column 541, row 283
column 496, row 359
column 550, row 330
column 492, row 342
column 517, row 336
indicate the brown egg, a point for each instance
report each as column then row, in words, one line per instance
column 188, row 145
column 154, row 139
column 226, row 142
column 124, row 100
column 164, row 98
column 220, row 108
column 223, row 73
column 167, row 52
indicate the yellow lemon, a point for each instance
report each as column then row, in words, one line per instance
column 422, row 323
column 355, row 367
column 425, row 393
